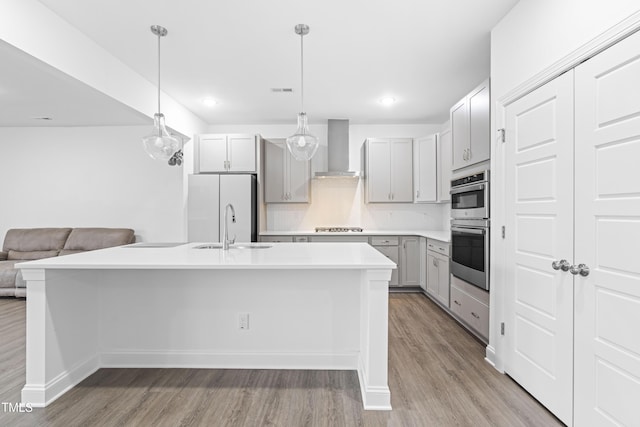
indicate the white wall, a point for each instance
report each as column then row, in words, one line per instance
column 88, row 177
column 340, row 201
column 537, row 33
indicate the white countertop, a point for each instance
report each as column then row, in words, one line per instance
column 442, row 235
column 184, row 256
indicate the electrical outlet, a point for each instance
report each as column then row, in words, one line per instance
column 243, row 320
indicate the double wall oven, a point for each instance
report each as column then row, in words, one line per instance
column 470, row 229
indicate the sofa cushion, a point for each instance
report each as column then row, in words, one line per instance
column 28, row 256
column 89, row 239
column 8, row 274
column 35, row 239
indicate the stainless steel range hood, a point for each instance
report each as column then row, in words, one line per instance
column 338, row 151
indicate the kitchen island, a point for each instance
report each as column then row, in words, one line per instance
column 286, row 306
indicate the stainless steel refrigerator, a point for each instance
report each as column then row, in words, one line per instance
column 208, row 196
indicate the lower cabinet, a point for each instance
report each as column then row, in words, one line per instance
column 408, row 252
column 438, row 271
column 471, row 305
column 388, row 246
column 409, row 265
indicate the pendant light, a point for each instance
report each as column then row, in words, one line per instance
column 160, row 144
column 302, row 144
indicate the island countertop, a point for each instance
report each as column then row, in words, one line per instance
column 186, row 256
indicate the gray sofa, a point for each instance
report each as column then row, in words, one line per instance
column 37, row 243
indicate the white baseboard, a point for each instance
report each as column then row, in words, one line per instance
column 209, row 360
column 373, row 398
column 490, row 357
column 40, row 396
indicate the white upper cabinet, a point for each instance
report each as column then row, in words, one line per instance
column 470, row 128
column 425, row 160
column 286, row 180
column 389, row 170
column 225, row 153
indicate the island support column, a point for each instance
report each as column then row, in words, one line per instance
column 62, row 329
column 374, row 340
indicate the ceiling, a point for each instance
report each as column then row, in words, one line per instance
column 425, row 53
column 36, row 94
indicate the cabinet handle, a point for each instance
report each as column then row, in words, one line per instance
column 475, row 315
column 469, row 154
column 418, row 194
column 456, row 301
column 435, row 262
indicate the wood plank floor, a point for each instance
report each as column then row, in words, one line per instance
column 437, row 377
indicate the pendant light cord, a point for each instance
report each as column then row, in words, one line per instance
column 302, row 72
column 159, row 72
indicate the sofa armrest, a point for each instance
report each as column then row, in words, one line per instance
column 3, row 256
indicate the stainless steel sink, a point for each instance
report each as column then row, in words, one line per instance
column 209, row 246
column 234, row 246
column 250, row 246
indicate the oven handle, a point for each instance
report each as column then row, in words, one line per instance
column 466, row 188
column 469, row 230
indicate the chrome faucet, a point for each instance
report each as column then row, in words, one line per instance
column 226, row 242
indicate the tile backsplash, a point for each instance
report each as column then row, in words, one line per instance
column 340, row 202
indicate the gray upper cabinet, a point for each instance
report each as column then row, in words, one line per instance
column 470, row 128
column 286, row 180
column 389, row 170
column 219, row 153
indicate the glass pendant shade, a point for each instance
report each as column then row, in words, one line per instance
column 159, row 144
column 302, row 144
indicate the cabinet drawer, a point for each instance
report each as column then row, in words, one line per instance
column 473, row 312
column 456, row 301
column 438, row 246
column 477, row 315
column 384, row 241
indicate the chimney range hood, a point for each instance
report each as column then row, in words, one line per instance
column 338, row 151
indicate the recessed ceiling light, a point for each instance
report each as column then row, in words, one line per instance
column 387, row 100
column 209, row 102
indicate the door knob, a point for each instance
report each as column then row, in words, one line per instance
column 580, row 269
column 562, row 264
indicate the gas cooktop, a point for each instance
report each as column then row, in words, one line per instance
column 338, row 229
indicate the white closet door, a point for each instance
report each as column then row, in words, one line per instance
column 607, row 319
column 539, row 230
